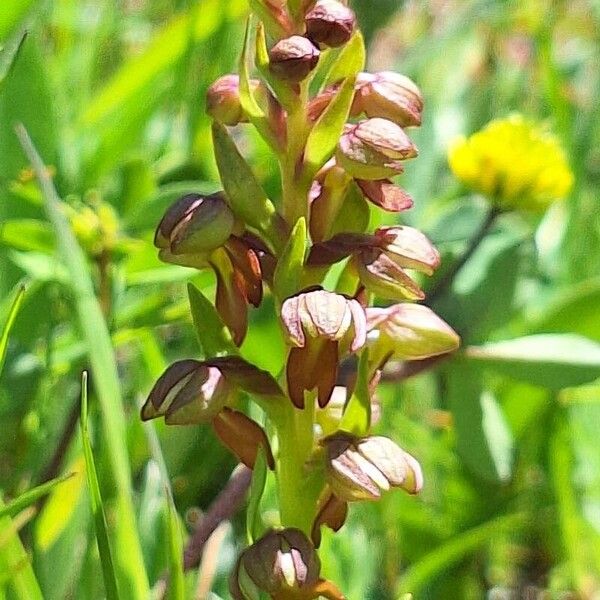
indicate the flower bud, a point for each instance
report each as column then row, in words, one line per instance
column 361, row 469
column 293, row 58
column 223, row 100
column 330, row 23
column 195, row 224
column 410, row 332
column 282, row 564
column 390, row 96
column 188, row 392
column 374, row 149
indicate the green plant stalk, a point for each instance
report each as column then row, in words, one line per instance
column 297, row 500
column 294, row 187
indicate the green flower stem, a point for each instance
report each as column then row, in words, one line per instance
column 294, row 188
column 297, row 499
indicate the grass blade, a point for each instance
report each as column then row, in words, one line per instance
column 29, row 497
column 12, row 315
column 130, row 563
column 177, row 577
column 108, row 569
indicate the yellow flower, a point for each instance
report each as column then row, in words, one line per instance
column 514, row 162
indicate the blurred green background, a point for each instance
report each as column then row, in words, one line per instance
column 112, row 94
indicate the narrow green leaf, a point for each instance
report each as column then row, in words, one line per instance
column 176, row 573
column 282, row 89
column 326, row 132
column 483, row 438
column 12, row 315
column 254, row 526
column 213, row 335
column 31, row 496
column 249, row 103
column 349, row 62
column 287, row 279
column 102, row 359
column 244, row 193
column 266, row 16
column 108, row 569
column 554, row 361
column 357, row 416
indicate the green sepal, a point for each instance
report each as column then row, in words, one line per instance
column 287, row 279
column 213, row 335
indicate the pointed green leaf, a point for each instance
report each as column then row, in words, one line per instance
column 357, row 416
column 9, row 53
column 12, row 315
column 176, row 572
column 254, row 526
column 213, row 335
column 282, row 89
column 349, row 62
column 287, row 279
column 249, row 103
column 553, row 361
column 325, row 134
column 108, row 569
column 244, row 193
column 31, row 496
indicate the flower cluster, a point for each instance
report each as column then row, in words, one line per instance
column 517, row 164
column 337, row 150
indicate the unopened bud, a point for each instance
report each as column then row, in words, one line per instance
column 410, row 332
column 223, row 100
column 330, row 23
column 293, row 58
column 188, row 392
column 362, row 469
column 374, row 149
column 390, row 96
column 195, row 224
column 281, row 564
